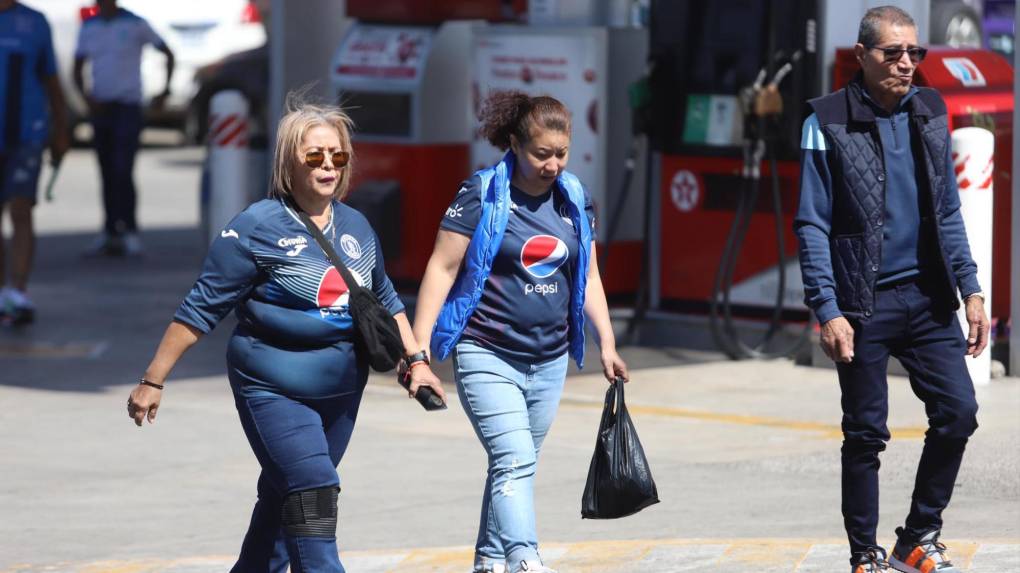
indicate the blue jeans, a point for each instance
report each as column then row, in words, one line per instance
column 116, row 131
column 298, row 443
column 911, row 325
column 511, row 405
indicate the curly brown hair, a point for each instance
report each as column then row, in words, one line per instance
column 507, row 113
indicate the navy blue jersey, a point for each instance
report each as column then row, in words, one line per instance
column 523, row 308
column 26, row 60
column 294, row 334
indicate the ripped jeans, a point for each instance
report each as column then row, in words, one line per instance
column 511, row 405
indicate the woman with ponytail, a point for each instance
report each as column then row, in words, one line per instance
column 511, row 279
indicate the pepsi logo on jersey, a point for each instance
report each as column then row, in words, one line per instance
column 541, row 257
column 332, row 294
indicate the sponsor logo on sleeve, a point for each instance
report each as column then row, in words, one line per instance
column 455, row 211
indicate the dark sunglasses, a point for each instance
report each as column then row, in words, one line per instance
column 315, row 159
column 916, row 54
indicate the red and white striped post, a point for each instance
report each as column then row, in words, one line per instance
column 973, row 151
column 228, row 158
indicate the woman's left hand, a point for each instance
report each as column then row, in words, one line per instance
column 422, row 375
column 613, row 366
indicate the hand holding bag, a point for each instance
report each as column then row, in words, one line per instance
column 376, row 335
column 619, row 480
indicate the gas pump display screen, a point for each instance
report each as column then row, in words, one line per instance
column 379, row 113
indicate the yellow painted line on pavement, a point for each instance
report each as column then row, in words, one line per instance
column 772, row 554
column 826, row 430
column 580, row 557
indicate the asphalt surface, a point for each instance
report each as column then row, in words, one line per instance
column 745, row 455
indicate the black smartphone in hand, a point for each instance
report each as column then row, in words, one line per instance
column 425, row 395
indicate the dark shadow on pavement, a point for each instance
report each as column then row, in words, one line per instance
column 99, row 319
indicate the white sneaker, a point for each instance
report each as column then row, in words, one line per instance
column 17, row 307
column 132, row 245
column 489, row 567
column 533, row 567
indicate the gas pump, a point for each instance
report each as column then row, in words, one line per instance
column 762, row 106
column 727, row 82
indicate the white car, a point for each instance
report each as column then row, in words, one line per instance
column 198, row 32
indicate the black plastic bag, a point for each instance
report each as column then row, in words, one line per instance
column 619, row 480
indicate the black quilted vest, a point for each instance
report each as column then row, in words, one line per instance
column 857, row 166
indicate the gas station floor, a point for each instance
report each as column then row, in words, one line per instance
column 745, row 454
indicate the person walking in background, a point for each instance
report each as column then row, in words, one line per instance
column 292, row 365
column 883, row 252
column 515, row 262
column 28, row 86
column 112, row 43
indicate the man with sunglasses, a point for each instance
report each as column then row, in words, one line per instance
column 883, row 252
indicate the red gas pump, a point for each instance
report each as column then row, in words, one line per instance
column 977, row 86
column 700, row 131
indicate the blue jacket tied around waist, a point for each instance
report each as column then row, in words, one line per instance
column 467, row 289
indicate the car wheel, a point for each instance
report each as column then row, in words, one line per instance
column 955, row 24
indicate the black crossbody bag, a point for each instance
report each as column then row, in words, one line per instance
column 376, row 336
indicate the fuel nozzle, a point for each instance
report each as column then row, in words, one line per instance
column 763, row 99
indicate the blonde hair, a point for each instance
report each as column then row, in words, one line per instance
column 300, row 118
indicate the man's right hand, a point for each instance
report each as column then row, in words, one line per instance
column 838, row 340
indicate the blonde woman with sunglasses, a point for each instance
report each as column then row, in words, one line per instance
column 296, row 379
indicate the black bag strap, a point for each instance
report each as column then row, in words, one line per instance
column 327, row 248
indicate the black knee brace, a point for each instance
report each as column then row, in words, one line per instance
column 311, row 513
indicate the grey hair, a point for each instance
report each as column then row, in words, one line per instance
column 869, row 33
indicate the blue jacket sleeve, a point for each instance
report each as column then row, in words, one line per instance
column 227, row 276
column 955, row 234
column 814, row 222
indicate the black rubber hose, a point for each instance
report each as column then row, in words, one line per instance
column 725, row 334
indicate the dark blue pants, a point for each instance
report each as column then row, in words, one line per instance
column 116, row 130
column 925, row 336
column 298, row 444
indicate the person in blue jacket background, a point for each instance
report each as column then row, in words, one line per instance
column 515, row 263
column 296, row 379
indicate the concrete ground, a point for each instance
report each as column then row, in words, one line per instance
column 745, row 455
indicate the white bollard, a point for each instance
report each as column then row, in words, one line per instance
column 973, row 151
column 229, row 188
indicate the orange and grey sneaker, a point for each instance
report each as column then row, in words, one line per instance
column 871, row 562
column 927, row 555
